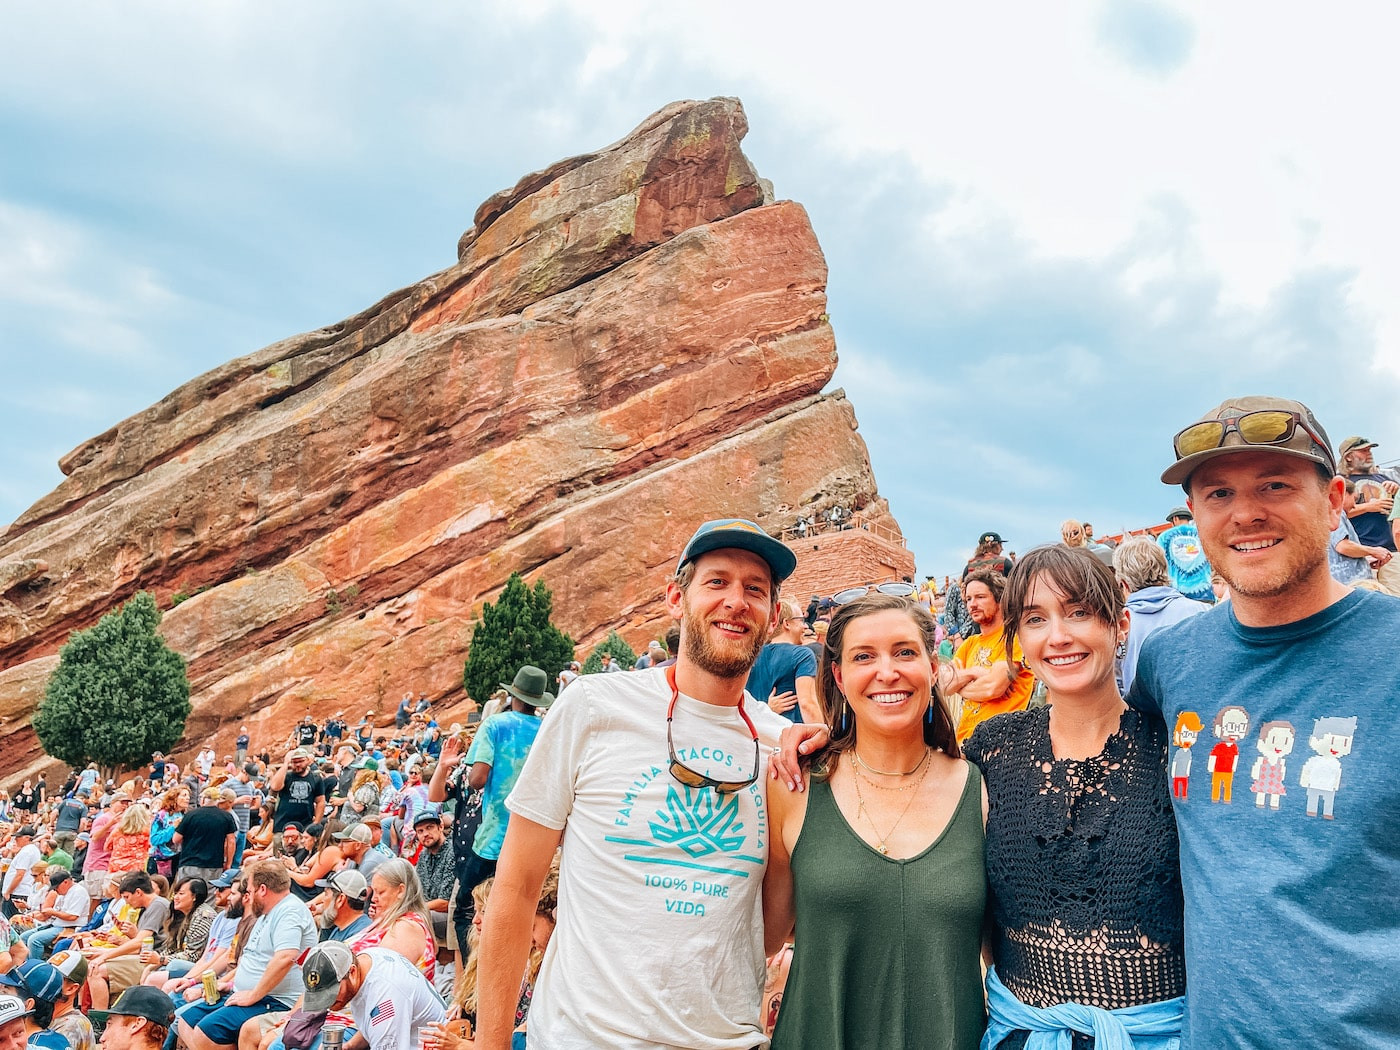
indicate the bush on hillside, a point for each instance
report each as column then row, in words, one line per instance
column 622, row 653
column 515, row 631
column 119, row 692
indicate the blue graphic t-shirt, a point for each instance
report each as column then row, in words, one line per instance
column 1289, row 818
column 503, row 742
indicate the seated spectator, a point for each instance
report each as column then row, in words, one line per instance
column 139, row 894
column 140, row 1020
column 68, row 1020
column 266, row 978
column 399, row 916
column 40, row 988
column 391, row 1001
column 1348, row 559
column 69, row 910
column 1153, row 603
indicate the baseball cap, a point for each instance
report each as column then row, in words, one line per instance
column 725, row 533
column 72, row 965
column 349, row 882
column 12, row 1009
column 325, row 967
column 989, row 537
column 428, row 815
column 227, row 879
column 355, row 833
column 35, row 980
column 58, row 877
column 1351, row 444
column 299, row 752
column 141, row 1000
column 1271, row 424
column 27, row 829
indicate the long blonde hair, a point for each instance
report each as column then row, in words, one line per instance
column 135, row 820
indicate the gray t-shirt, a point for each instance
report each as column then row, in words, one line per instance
column 153, row 915
column 288, row 925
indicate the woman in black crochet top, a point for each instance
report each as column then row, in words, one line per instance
column 1081, row 847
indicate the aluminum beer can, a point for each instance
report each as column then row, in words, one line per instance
column 332, row 1037
column 211, row 987
column 148, row 941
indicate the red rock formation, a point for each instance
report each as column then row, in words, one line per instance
column 631, row 341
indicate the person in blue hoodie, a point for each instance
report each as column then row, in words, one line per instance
column 1153, row 603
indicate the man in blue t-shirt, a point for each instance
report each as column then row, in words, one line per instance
column 492, row 765
column 785, row 674
column 1292, row 888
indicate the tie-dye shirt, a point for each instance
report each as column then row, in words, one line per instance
column 502, row 742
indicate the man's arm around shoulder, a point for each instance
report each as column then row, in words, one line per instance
column 505, row 936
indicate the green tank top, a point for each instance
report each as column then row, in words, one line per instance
column 886, row 952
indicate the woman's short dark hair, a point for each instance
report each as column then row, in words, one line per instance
column 1073, row 571
column 941, row 734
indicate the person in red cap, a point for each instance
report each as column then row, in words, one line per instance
column 654, row 784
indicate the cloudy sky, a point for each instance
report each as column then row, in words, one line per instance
column 1057, row 233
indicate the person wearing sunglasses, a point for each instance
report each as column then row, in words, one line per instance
column 878, row 863
column 1285, row 911
column 1375, row 504
column 653, row 784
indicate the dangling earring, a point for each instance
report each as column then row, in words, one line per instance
column 929, row 717
column 845, row 714
column 1122, row 649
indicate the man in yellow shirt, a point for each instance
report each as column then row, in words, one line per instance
column 981, row 675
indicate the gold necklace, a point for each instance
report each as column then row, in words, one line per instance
column 882, row 846
column 886, row 772
column 894, row 787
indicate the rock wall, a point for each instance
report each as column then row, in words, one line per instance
column 630, row 342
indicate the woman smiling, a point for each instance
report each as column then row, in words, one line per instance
column 880, row 863
column 1081, row 842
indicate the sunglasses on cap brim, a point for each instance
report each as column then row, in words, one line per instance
column 1266, row 427
column 850, row 594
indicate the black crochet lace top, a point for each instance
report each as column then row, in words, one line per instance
column 1085, row 886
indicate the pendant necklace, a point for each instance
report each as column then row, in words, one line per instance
column 882, row 846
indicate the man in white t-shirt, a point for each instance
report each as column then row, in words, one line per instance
column 19, row 878
column 390, row 999
column 654, row 783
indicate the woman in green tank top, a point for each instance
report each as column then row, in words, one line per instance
column 878, row 865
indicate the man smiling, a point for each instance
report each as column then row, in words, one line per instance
column 654, row 782
column 1290, row 929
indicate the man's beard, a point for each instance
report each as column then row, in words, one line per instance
column 732, row 661
column 235, row 911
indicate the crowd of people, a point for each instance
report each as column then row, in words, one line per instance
column 902, row 816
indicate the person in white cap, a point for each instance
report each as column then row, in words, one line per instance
column 654, row 783
column 389, row 998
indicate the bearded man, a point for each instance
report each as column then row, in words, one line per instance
column 654, row 783
column 1375, row 500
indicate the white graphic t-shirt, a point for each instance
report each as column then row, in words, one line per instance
column 660, row 935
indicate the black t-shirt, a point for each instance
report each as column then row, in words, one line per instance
column 306, row 734
column 296, row 802
column 25, row 800
column 202, row 834
column 158, row 771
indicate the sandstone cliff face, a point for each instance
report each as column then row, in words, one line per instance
column 630, row 342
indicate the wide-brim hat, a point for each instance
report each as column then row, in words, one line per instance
column 529, row 686
column 727, row 533
column 1351, row 444
column 1313, row 447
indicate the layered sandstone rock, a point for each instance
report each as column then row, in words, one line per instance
column 631, row 341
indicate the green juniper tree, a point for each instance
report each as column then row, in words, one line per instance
column 614, row 644
column 516, row 630
column 119, row 692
